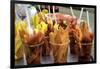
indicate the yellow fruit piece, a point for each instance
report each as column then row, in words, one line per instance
column 20, row 25
column 49, row 21
column 41, row 15
column 19, row 53
column 38, row 26
column 36, row 30
column 56, row 26
column 18, row 46
column 45, row 11
column 35, row 20
column 43, row 26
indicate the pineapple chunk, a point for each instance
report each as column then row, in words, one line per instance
column 43, row 27
column 35, row 20
column 56, row 26
column 45, row 11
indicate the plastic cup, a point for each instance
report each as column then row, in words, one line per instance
column 46, row 49
column 33, row 53
column 74, row 46
column 60, row 52
column 85, row 52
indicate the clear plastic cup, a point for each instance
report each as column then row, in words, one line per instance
column 74, row 46
column 60, row 52
column 33, row 53
column 46, row 49
column 85, row 52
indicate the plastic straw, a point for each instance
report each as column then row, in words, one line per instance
column 80, row 17
column 39, row 8
column 25, row 62
column 88, row 20
column 49, row 16
column 41, row 11
column 54, row 14
column 49, row 9
column 28, row 21
column 30, row 30
column 72, row 11
column 81, row 13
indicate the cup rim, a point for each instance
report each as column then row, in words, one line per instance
column 36, row 44
column 90, row 43
column 46, row 37
column 58, row 44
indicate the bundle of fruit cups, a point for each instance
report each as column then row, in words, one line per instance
column 56, row 36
